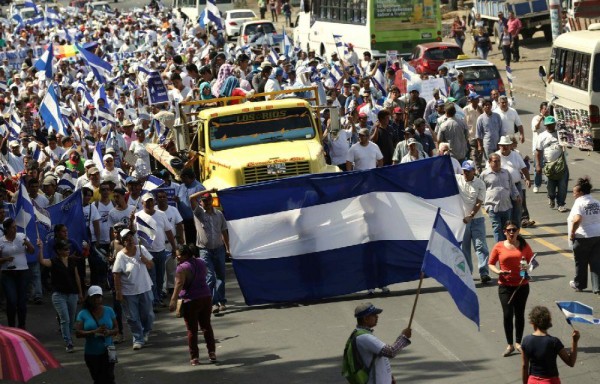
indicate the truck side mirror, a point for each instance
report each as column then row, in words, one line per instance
column 542, row 71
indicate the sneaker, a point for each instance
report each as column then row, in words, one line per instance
column 215, row 309
column 118, row 339
column 212, row 357
column 370, row 292
column 195, row 362
column 536, row 189
column 137, row 346
column 551, row 203
column 572, row 285
column 385, row 290
column 485, row 279
column 562, row 208
column 70, row 348
column 222, row 307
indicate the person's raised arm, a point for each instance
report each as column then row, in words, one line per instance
column 570, row 357
column 44, row 262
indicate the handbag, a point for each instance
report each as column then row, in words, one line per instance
column 180, row 307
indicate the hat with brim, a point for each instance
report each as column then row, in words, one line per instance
column 548, row 120
column 366, row 309
column 94, row 290
column 505, row 140
column 411, row 141
column 468, row 165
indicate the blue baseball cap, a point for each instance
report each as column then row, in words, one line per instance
column 366, row 309
column 468, row 165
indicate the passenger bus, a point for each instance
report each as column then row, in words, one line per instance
column 193, row 8
column 370, row 25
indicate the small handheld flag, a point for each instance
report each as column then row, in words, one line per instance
column 578, row 312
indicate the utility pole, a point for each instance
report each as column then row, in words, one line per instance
column 555, row 19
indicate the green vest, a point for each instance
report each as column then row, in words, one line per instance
column 353, row 368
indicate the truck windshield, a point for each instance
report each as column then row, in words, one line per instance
column 261, row 127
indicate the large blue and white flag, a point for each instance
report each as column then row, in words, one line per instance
column 14, row 124
column 101, row 69
column 379, row 80
column 210, row 14
column 97, row 156
column 151, row 183
column 25, row 218
column 578, row 312
column 20, row 23
column 293, row 244
column 31, row 4
column 68, row 212
column 50, row 112
column 44, row 63
column 445, row 261
column 144, row 231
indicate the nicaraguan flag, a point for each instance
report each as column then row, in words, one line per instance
column 99, row 67
column 52, row 17
column 24, row 211
column 533, row 263
column 445, row 261
column 273, row 57
column 14, row 125
column 379, row 80
column 97, row 156
column 44, row 63
column 50, row 112
column 68, row 179
column 293, row 244
column 339, row 43
column 157, row 126
column 151, row 184
column 287, row 45
column 210, row 14
column 31, row 4
column 578, row 312
column 145, row 231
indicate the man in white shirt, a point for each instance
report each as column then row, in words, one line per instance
column 176, row 221
column 155, row 223
column 472, row 193
column 364, row 154
column 538, row 126
column 510, row 118
column 514, row 164
column 373, row 352
column 338, row 141
column 274, row 82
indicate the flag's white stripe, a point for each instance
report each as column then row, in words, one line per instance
column 441, row 248
column 392, row 216
column 571, row 315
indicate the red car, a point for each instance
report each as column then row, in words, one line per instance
column 426, row 58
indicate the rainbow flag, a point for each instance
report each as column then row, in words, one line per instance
column 61, row 51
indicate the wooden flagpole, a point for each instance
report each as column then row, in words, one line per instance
column 412, row 314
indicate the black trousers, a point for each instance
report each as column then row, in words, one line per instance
column 516, row 310
column 101, row 370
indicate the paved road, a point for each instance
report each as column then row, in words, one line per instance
column 303, row 343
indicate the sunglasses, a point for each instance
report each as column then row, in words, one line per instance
column 511, row 230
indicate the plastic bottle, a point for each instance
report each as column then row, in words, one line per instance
column 523, row 267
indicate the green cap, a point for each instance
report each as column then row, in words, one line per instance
column 549, row 120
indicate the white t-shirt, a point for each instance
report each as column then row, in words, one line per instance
column 589, row 210
column 139, row 150
column 15, row 249
column 470, row 192
column 364, row 157
column 541, row 128
column 174, row 218
column 119, row 216
column 135, row 278
column 103, row 211
column 369, row 346
column 513, row 163
column 548, row 143
column 339, row 147
column 510, row 118
column 89, row 221
column 159, row 222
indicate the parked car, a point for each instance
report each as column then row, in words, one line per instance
column 251, row 28
column 482, row 74
column 234, row 20
column 426, row 58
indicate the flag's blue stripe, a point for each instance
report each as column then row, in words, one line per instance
column 142, row 223
column 465, row 298
column 431, row 178
column 330, row 273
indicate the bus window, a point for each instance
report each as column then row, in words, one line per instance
column 596, row 71
column 362, row 4
column 568, row 73
column 585, row 71
column 576, row 78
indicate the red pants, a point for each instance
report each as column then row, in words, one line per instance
column 543, row 380
column 198, row 312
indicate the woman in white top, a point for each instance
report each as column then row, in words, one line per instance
column 138, row 148
column 584, row 232
column 414, row 153
column 133, row 287
column 13, row 264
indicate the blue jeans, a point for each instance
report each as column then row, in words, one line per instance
column 65, row 304
column 483, row 52
column 14, row 284
column 215, row 276
column 140, row 315
column 498, row 220
column 557, row 189
column 517, row 210
column 157, row 274
column 475, row 233
column 35, row 279
column 537, row 178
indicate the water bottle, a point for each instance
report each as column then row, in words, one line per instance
column 85, row 249
column 523, row 267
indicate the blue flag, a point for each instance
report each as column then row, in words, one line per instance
column 99, row 67
column 578, row 312
column 50, row 112
column 210, row 14
column 145, row 232
column 445, row 261
column 291, row 244
column 44, row 63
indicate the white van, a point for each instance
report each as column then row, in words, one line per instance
column 574, row 75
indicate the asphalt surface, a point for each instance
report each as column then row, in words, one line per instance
column 302, row 343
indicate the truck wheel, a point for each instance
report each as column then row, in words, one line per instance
column 527, row 33
column 547, row 32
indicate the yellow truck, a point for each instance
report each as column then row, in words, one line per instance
column 248, row 142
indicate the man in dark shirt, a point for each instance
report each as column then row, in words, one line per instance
column 424, row 137
column 382, row 136
column 415, row 108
